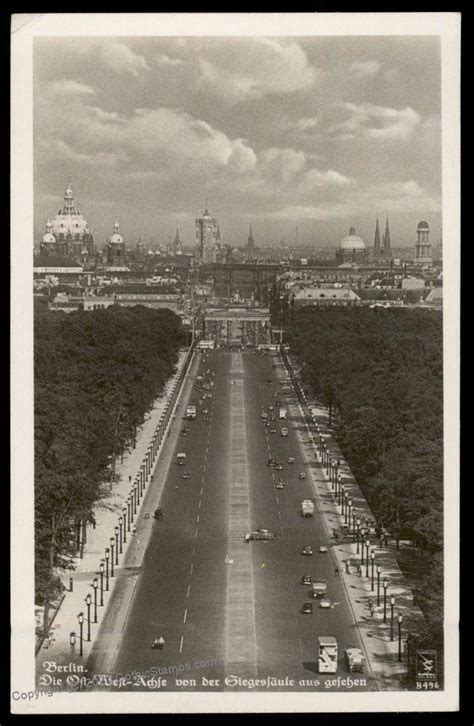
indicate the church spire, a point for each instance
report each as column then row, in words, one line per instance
column 386, row 238
column 250, row 240
column 377, row 238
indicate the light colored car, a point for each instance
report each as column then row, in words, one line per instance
column 284, row 431
column 322, row 548
column 291, row 460
column 325, row 603
column 302, row 475
column 265, row 534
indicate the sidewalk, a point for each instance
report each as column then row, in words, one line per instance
column 138, row 465
column 381, row 652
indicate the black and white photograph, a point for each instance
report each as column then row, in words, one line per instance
column 235, row 362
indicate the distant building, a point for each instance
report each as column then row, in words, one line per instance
column 251, row 246
column 68, row 234
column 236, row 325
column 352, row 249
column 326, row 295
column 115, row 252
column 207, row 238
column 412, row 283
column 423, row 244
column 435, row 297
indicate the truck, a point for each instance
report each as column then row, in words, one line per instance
column 282, row 413
column 319, row 588
column 355, row 659
column 191, row 413
column 307, row 508
column 327, row 654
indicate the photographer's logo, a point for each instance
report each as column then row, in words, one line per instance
column 426, row 665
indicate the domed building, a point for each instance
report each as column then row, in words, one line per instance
column 116, row 252
column 352, row 249
column 68, row 234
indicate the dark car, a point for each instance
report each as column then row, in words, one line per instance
column 306, row 580
column 265, row 534
column 307, row 608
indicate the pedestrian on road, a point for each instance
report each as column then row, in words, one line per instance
column 372, row 611
column 348, row 567
column 359, row 570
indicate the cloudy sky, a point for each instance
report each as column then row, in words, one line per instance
column 316, row 132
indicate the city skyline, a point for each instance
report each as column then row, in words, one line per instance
column 321, row 133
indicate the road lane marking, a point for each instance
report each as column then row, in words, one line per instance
column 194, row 551
column 197, row 518
column 192, row 568
column 185, row 614
column 188, row 591
column 201, row 491
column 196, row 532
column 199, row 505
column 181, row 644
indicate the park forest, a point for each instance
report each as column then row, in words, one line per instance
column 380, row 373
column 96, row 375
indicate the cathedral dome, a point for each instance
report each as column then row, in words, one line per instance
column 49, row 238
column 352, row 241
column 69, row 220
column 423, row 225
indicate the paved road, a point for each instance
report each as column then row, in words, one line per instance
column 240, row 618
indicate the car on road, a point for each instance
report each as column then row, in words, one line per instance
column 269, row 382
column 355, row 659
column 204, row 411
column 322, row 548
column 302, row 475
column 184, row 432
column 284, row 431
column 264, row 415
column 307, row 608
column 308, row 550
column 306, row 580
column 270, row 408
column 273, row 430
column 271, row 462
column 186, row 475
column 325, row 603
column 291, row 460
column 280, row 484
column 278, row 466
column 260, row 534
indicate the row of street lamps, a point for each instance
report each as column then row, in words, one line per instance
column 342, row 498
column 110, row 560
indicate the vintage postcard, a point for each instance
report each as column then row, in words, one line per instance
column 235, row 362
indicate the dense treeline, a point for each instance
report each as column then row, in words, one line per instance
column 96, row 374
column 380, row 371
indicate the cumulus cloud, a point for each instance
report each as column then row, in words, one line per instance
column 122, row 59
column 364, row 69
column 315, row 179
column 281, row 166
column 376, row 122
column 69, row 87
column 162, row 59
column 154, row 135
column 255, row 67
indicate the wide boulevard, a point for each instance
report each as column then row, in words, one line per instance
column 226, row 607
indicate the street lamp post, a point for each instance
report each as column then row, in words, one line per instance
column 385, row 585
column 392, row 605
column 358, row 534
column 107, row 557
column 341, row 496
column 367, row 545
column 101, row 570
column 379, row 570
column 116, row 545
column 327, row 461
column 130, row 506
column 372, row 557
column 88, row 603
column 135, row 498
column 339, row 484
column 112, row 546
column 95, row 585
column 400, row 620
column 120, row 521
column 351, row 512
column 80, row 619
column 124, row 513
